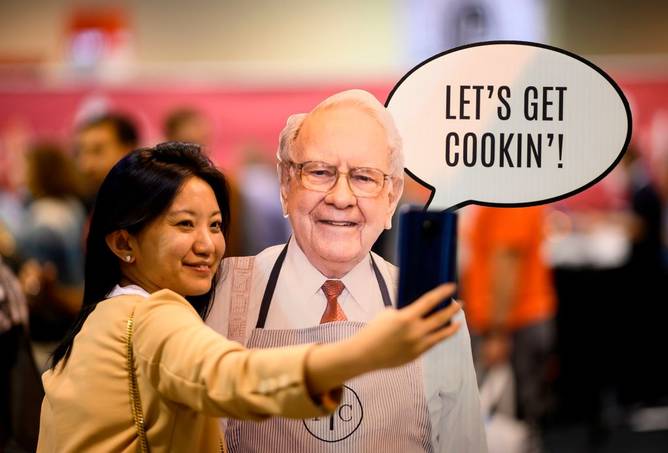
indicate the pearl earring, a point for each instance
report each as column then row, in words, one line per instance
column 128, row 258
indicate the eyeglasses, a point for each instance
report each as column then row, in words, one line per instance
column 318, row 176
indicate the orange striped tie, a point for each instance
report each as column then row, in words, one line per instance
column 333, row 311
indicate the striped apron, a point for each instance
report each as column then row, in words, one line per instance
column 384, row 411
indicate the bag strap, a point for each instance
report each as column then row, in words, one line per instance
column 135, row 401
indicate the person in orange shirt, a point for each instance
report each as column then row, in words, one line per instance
column 510, row 299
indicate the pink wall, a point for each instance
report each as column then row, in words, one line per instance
column 240, row 117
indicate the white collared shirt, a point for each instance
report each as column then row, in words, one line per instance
column 299, row 300
column 129, row 289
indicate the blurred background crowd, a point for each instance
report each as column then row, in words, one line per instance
column 566, row 302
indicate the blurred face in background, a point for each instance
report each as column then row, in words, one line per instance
column 336, row 229
column 98, row 149
column 195, row 129
column 50, row 172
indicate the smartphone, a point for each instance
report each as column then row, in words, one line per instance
column 427, row 253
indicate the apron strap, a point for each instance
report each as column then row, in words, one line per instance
column 273, row 279
column 381, row 283
column 271, row 286
column 242, row 271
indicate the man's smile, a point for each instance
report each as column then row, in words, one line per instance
column 338, row 223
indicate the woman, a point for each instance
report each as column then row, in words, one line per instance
column 141, row 370
column 50, row 244
column 55, row 215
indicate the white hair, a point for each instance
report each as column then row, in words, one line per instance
column 361, row 99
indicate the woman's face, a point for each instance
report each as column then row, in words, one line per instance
column 182, row 248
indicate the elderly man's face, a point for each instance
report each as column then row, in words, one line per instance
column 336, row 229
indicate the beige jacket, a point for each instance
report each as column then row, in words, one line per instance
column 187, row 376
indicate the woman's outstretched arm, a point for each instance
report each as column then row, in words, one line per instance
column 393, row 338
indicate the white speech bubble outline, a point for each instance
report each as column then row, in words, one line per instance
column 611, row 82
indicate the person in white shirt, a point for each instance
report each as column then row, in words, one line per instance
column 341, row 173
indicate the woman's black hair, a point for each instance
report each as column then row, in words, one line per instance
column 138, row 189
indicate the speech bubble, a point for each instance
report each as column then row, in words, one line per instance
column 508, row 123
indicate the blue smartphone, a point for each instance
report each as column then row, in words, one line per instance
column 427, row 253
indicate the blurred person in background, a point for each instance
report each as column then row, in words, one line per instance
column 589, row 247
column 662, row 185
column 100, row 142
column 14, row 143
column 187, row 125
column 20, row 387
column 644, row 377
column 51, row 243
column 263, row 222
column 341, row 175
column 510, row 302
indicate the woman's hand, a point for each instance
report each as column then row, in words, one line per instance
column 393, row 338
column 396, row 337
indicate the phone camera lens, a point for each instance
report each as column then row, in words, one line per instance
column 427, row 225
